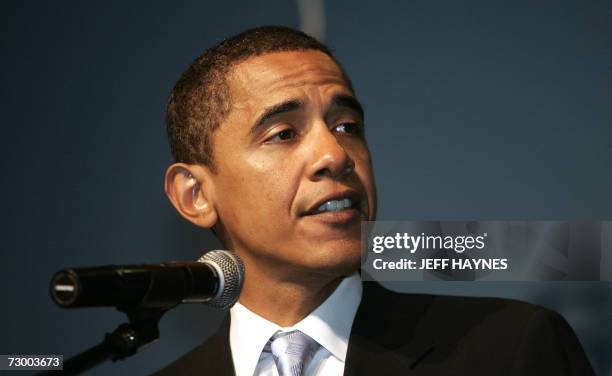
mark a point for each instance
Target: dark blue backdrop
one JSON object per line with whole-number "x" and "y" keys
{"x": 486, "y": 110}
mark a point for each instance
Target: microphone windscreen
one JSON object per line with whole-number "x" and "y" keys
{"x": 231, "y": 277}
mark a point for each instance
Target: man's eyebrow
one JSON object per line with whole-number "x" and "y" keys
{"x": 275, "y": 110}
{"x": 348, "y": 101}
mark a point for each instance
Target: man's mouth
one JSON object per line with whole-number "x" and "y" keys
{"x": 336, "y": 202}
{"x": 335, "y": 205}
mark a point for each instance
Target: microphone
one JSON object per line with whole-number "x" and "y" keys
{"x": 215, "y": 279}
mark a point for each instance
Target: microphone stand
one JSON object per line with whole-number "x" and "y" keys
{"x": 125, "y": 341}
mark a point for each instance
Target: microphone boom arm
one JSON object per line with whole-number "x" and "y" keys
{"x": 125, "y": 341}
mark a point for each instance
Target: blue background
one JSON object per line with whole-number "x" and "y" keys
{"x": 479, "y": 110}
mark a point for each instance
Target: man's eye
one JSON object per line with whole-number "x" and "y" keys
{"x": 350, "y": 128}
{"x": 283, "y": 135}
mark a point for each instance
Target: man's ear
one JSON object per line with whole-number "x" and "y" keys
{"x": 189, "y": 188}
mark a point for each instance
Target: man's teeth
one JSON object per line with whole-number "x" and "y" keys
{"x": 335, "y": 205}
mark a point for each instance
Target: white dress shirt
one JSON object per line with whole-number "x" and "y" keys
{"x": 329, "y": 324}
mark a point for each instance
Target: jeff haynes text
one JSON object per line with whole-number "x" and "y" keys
{"x": 442, "y": 263}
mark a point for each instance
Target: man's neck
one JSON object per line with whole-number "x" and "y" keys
{"x": 285, "y": 301}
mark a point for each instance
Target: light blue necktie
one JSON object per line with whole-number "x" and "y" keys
{"x": 292, "y": 351}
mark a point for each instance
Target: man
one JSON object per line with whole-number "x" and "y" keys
{"x": 268, "y": 138}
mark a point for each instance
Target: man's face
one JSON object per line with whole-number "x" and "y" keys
{"x": 294, "y": 176}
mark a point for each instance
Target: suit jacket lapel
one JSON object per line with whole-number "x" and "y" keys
{"x": 220, "y": 362}
{"x": 213, "y": 357}
{"x": 381, "y": 340}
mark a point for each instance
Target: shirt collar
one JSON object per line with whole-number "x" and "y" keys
{"x": 249, "y": 333}
{"x": 329, "y": 324}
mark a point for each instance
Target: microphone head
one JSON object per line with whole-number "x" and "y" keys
{"x": 230, "y": 269}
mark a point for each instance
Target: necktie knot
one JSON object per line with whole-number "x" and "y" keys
{"x": 292, "y": 351}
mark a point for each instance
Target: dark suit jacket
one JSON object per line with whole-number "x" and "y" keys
{"x": 407, "y": 334}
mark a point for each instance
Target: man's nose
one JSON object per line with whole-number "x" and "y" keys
{"x": 328, "y": 156}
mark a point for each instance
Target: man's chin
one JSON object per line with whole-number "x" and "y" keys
{"x": 337, "y": 264}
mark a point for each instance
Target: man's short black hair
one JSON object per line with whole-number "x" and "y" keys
{"x": 201, "y": 98}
